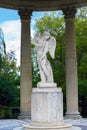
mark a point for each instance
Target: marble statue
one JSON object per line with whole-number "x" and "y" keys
{"x": 44, "y": 44}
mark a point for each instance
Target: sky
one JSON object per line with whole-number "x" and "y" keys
{"x": 11, "y": 26}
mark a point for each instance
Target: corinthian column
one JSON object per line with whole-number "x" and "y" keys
{"x": 26, "y": 69}
{"x": 71, "y": 64}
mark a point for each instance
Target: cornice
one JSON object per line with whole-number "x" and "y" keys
{"x": 41, "y": 5}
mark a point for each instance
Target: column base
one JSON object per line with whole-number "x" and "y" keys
{"x": 24, "y": 116}
{"x": 73, "y": 115}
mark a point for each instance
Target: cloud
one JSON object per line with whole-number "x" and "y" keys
{"x": 11, "y": 30}
{"x": 32, "y": 33}
{"x": 12, "y": 36}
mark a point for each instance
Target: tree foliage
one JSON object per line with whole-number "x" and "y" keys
{"x": 81, "y": 40}
{"x": 7, "y": 93}
{"x": 9, "y": 80}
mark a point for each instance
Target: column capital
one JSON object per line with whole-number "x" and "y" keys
{"x": 25, "y": 14}
{"x": 69, "y": 12}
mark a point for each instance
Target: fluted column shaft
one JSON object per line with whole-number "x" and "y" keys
{"x": 26, "y": 69}
{"x": 71, "y": 64}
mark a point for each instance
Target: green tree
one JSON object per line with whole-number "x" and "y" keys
{"x": 81, "y": 40}
{"x": 9, "y": 76}
{"x": 35, "y": 70}
{"x": 7, "y": 94}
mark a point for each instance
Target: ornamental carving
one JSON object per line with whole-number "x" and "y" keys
{"x": 69, "y": 12}
{"x": 25, "y": 14}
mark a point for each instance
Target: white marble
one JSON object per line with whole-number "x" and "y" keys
{"x": 48, "y": 89}
{"x": 56, "y": 128}
{"x": 46, "y": 85}
{"x": 59, "y": 127}
{"x": 47, "y": 107}
{"x": 44, "y": 44}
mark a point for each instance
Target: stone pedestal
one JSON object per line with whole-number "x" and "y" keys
{"x": 47, "y": 109}
{"x": 47, "y": 106}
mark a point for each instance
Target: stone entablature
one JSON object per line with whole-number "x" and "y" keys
{"x": 38, "y": 5}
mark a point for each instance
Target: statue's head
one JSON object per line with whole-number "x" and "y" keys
{"x": 37, "y": 35}
{"x": 46, "y": 35}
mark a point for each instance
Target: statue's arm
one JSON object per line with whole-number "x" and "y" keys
{"x": 36, "y": 42}
{"x": 33, "y": 42}
{"x": 45, "y": 49}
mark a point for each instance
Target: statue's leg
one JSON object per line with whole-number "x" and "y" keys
{"x": 49, "y": 68}
{"x": 46, "y": 69}
{"x": 42, "y": 75}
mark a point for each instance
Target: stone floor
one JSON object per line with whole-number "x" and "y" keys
{"x": 82, "y": 123}
{"x": 11, "y": 124}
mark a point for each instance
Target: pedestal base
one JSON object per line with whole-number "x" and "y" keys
{"x": 60, "y": 127}
{"x": 46, "y": 128}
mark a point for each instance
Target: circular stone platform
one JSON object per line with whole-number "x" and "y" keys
{"x": 9, "y": 124}
{"x": 18, "y": 128}
{"x": 73, "y": 128}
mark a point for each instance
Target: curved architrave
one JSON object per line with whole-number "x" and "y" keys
{"x": 38, "y": 5}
